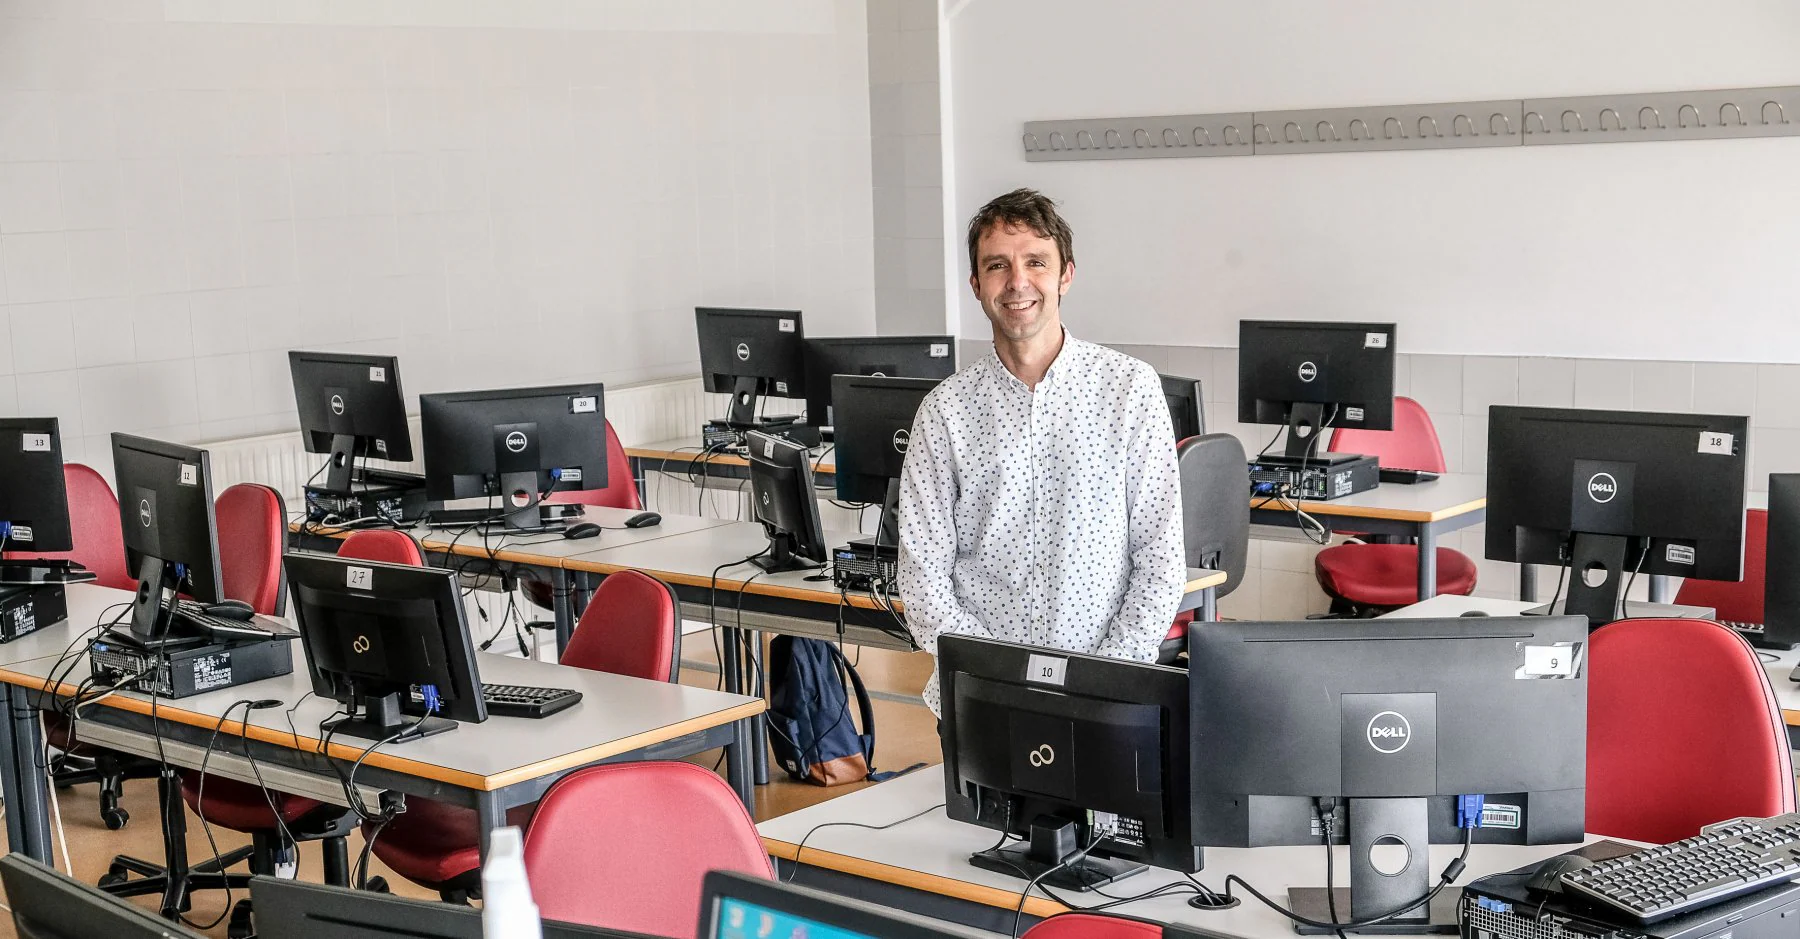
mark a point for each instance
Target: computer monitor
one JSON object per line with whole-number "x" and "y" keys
{"x": 292, "y": 909}
{"x": 872, "y": 442}
{"x": 350, "y": 407}
{"x": 1781, "y": 558}
{"x": 783, "y": 500}
{"x": 34, "y": 502}
{"x": 1187, "y": 405}
{"x": 750, "y": 353}
{"x": 1399, "y": 717}
{"x": 1315, "y": 376}
{"x": 384, "y": 639}
{"x": 171, "y": 539}
{"x": 518, "y": 444}
{"x": 880, "y": 356}
{"x": 48, "y": 905}
{"x": 1061, "y": 749}
{"x": 737, "y": 906}
{"x": 1605, "y": 494}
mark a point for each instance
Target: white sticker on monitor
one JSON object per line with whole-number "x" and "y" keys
{"x": 1046, "y": 669}
{"x": 21, "y": 533}
{"x": 1554, "y": 660}
{"x": 35, "y": 443}
{"x": 359, "y": 578}
{"x": 769, "y": 448}
{"x": 190, "y": 474}
{"x": 786, "y": 326}
{"x": 1353, "y": 414}
{"x": 1501, "y": 815}
{"x": 377, "y": 373}
{"x": 781, "y": 387}
{"x": 571, "y": 475}
{"x": 1711, "y": 441}
{"x": 1375, "y": 340}
{"x": 1679, "y": 554}
{"x": 585, "y": 404}
{"x": 940, "y": 350}
{"x": 380, "y": 445}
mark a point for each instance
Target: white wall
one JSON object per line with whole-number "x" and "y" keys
{"x": 1673, "y": 251}
{"x": 500, "y": 192}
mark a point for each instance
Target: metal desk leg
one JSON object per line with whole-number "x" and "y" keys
{"x": 737, "y": 762}
{"x": 1427, "y": 562}
{"x": 1528, "y": 583}
{"x": 759, "y": 733}
{"x": 560, "y": 591}
{"x": 1662, "y": 588}
{"x": 728, "y": 661}
{"x": 1209, "y": 605}
{"x": 9, "y": 776}
{"x": 26, "y": 756}
{"x": 638, "y": 478}
{"x": 489, "y": 816}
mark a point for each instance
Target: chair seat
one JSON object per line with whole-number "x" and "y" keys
{"x": 1387, "y": 575}
{"x": 241, "y": 806}
{"x": 434, "y": 843}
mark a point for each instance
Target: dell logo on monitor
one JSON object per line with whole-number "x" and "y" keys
{"x": 1308, "y": 371}
{"x": 743, "y": 352}
{"x": 1042, "y": 756}
{"x": 902, "y": 437}
{"x": 515, "y": 441}
{"x": 1602, "y": 487}
{"x": 1389, "y": 732}
{"x": 145, "y": 516}
{"x": 337, "y": 404}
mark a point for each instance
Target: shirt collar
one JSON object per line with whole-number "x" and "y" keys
{"x": 1067, "y": 354}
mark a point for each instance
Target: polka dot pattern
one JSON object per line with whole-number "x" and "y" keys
{"x": 1050, "y": 517}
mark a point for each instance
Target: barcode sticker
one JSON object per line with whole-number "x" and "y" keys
{"x": 1353, "y": 414}
{"x": 940, "y": 350}
{"x": 781, "y": 387}
{"x": 571, "y": 475}
{"x": 22, "y": 533}
{"x": 1375, "y": 340}
{"x": 585, "y": 404}
{"x": 1046, "y": 669}
{"x": 1679, "y": 554}
{"x": 1711, "y": 441}
{"x": 35, "y": 443}
{"x": 377, "y": 373}
{"x": 380, "y": 445}
{"x": 359, "y": 578}
{"x": 769, "y": 449}
{"x": 786, "y": 326}
{"x": 190, "y": 475}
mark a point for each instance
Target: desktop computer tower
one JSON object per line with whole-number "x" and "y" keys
{"x": 397, "y": 497}
{"x": 190, "y": 670}
{"x": 27, "y": 609}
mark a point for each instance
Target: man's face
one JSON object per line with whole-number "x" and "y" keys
{"x": 1020, "y": 278}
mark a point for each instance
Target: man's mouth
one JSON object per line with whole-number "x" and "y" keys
{"x": 1017, "y": 306}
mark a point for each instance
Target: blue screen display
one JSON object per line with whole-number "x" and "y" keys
{"x": 739, "y": 920}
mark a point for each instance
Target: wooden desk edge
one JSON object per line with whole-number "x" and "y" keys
{"x": 700, "y": 459}
{"x": 167, "y": 710}
{"x": 905, "y": 877}
{"x": 1211, "y": 579}
{"x": 1791, "y": 717}
{"x": 1398, "y": 515}
{"x": 726, "y": 586}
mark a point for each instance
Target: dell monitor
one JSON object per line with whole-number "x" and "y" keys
{"x": 872, "y": 442}
{"x": 783, "y": 500}
{"x": 518, "y": 444}
{"x": 293, "y": 909}
{"x": 1187, "y": 406}
{"x": 751, "y": 353}
{"x": 1315, "y": 376}
{"x": 879, "y": 356}
{"x": 351, "y": 408}
{"x": 1388, "y": 722}
{"x": 171, "y": 539}
{"x": 738, "y": 906}
{"x": 1609, "y": 494}
{"x": 49, "y": 905}
{"x": 384, "y": 639}
{"x": 1071, "y": 753}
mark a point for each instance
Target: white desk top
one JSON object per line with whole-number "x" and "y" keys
{"x": 690, "y": 448}
{"x": 1448, "y": 496}
{"x": 616, "y": 714}
{"x": 538, "y": 547}
{"x": 931, "y": 853}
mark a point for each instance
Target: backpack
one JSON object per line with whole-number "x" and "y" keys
{"x": 810, "y": 726}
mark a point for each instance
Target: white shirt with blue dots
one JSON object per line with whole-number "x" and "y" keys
{"x": 1048, "y": 517}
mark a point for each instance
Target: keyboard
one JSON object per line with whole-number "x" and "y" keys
{"x": 1406, "y": 477}
{"x": 1723, "y": 861}
{"x": 526, "y": 701}
{"x": 220, "y": 627}
{"x": 1747, "y": 630}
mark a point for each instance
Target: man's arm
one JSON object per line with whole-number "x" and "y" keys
{"x": 928, "y": 490}
{"x": 1153, "y": 520}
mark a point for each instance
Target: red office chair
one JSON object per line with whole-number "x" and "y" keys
{"x": 252, "y": 522}
{"x": 1366, "y": 579}
{"x": 1737, "y": 601}
{"x": 1683, "y": 731}
{"x": 391, "y": 547}
{"x": 664, "y": 826}
{"x": 1094, "y": 926}
{"x": 620, "y": 493}
{"x": 632, "y": 627}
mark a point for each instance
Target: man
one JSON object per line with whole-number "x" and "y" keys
{"x": 1040, "y": 502}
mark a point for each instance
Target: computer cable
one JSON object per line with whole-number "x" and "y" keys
{"x": 1451, "y": 872}
{"x": 1327, "y": 832}
{"x": 712, "y": 613}
{"x": 1625, "y": 597}
{"x": 200, "y": 797}
{"x": 801, "y": 847}
{"x": 1075, "y": 858}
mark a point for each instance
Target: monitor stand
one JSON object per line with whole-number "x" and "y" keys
{"x": 781, "y": 556}
{"x": 1372, "y": 893}
{"x": 1052, "y": 841}
{"x": 341, "y": 465}
{"x": 1306, "y": 424}
{"x": 1596, "y": 572}
{"x": 381, "y": 718}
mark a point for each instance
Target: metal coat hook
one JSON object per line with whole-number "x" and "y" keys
{"x": 1261, "y": 127}
{"x": 1681, "y": 116}
{"x": 1397, "y": 126}
{"x": 1203, "y": 132}
{"x": 1735, "y": 109}
{"x": 1179, "y": 140}
{"x": 1114, "y": 140}
{"x": 1504, "y": 121}
{"x": 1456, "y": 128}
{"x": 1653, "y": 113}
{"x": 1356, "y": 122}
{"x": 1140, "y": 137}
{"x": 1543, "y": 126}
{"x": 1031, "y": 142}
{"x": 1328, "y": 127}
{"x": 1579, "y": 120}
{"x": 1083, "y": 139}
{"x": 1780, "y": 111}
{"x": 1231, "y": 129}
{"x": 1434, "y": 126}
{"x": 1616, "y": 116}
{"x": 1289, "y": 137}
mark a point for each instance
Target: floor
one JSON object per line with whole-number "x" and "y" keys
{"x": 905, "y": 734}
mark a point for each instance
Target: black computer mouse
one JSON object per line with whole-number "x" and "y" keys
{"x": 582, "y": 530}
{"x": 1473, "y": 613}
{"x": 1548, "y": 876}
{"x": 643, "y": 520}
{"x": 230, "y": 609}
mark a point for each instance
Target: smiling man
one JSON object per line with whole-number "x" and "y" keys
{"x": 1040, "y": 502}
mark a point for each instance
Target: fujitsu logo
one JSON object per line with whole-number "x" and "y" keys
{"x": 1602, "y": 487}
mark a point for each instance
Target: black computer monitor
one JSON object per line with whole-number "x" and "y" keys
{"x": 881, "y": 356}
{"x": 1060, "y": 748}
{"x": 518, "y": 444}
{"x": 737, "y": 906}
{"x": 350, "y": 407}
{"x": 171, "y": 538}
{"x": 1187, "y": 405}
{"x": 1314, "y": 376}
{"x": 1605, "y": 494}
{"x": 34, "y": 501}
{"x": 783, "y": 500}
{"x": 872, "y": 441}
{"x": 48, "y": 905}
{"x": 1399, "y": 717}
{"x": 385, "y": 639}
{"x": 750, "y": 353}
{"x": 292, "y": 909}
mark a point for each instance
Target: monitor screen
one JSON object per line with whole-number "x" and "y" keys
{"x": 740, "y": 919}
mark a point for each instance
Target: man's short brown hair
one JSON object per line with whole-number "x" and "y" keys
{"x": 1023, "y": 208}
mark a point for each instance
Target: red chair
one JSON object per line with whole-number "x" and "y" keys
{"x": 391, "y": 547}
{"x": 1365, "y": 579}
{"x": 1736, "y": 601}
{"x": 95, "y": 529}
{"x": 252, "y": 523}
{"x": 632, "y": 627}
{"x": 663, "y": 825}
{"x": 620, "y": 493}
{"x": 1683, "y": 731}
{"x": 1094, "y": 926}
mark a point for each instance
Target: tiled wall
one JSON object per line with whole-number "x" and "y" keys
{"x": 907, "y": 158}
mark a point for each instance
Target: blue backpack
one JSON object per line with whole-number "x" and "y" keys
{"x": 811, "y": 730}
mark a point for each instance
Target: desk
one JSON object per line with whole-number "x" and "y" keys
{"x": 1419, "y": 512}
{"x": 490, "y": 767}
{"x": 687, "y": 456}
{"x": 922, "y": 865}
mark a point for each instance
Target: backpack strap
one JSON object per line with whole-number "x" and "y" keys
{"x": 867, "y": 711}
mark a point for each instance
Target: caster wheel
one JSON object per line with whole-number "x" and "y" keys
{"x": 241, "y": 926}
{"x": 115, "y": 819}
{"x": 377, "y": 885}
{"x": 111, "y": 879}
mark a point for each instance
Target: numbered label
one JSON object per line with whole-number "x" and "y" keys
{"x": 35, "y": 443}
{"x": 359, "y": 578}
{"x": 190, "y": 474}
{"x": 585, "y": 404}
{"x": 1550, "y": 661}
{"x": 1375, "y": 340}
{"x": 1046, "y": 670}
{"x": 786, "y": 326}
{"x": 940, "y": 350}
{"x": 377, "y": 373}
{"x": 1715, "y": 442}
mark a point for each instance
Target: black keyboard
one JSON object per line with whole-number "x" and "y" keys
{"x": 526, "y": 701}
{"x": 1406, "y": 477}
{"x": 221, "y": 627}
{"x": 1744, "y": 629}
{"x": 1723, "y": 861}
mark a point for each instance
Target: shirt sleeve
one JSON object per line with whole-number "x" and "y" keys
{"x": 1153, "y": 524}
{"x": 928, "y": 491}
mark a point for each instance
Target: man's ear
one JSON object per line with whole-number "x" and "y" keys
{"x": 975, "y": 286}
{"x": 1068, "y": 277}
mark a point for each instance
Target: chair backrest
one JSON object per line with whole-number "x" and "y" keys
{"x": 1412, "y": 444}
{"x": 252, "y": 524}
{"x": 1215, "y": 505}
{"x": 1093, "y": 926}
{"x": 632, "y": 626}
{"x": 1683, "y": 731}
{"x": 1739, "y": 601}
{"x": 626, "y": 845}
{"x": 386, "y": 545}
{"x": 94, "y": 528}
{"x": 621, "y": 489}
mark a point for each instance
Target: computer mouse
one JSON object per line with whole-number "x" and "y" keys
{"x": 230, "y": 609}
{"x": 582, "y": 530}
{"x": 643, "y": 520}
{"x": 1548, "y": 876}
{"x": 1473, "y": 613}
